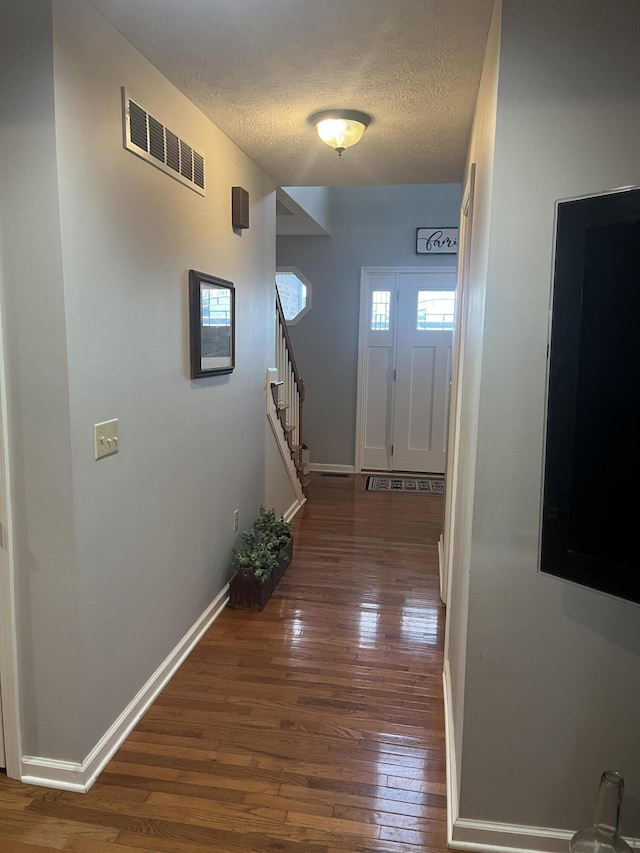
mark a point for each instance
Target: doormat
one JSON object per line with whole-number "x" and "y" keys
{"x": 415, "y": 485}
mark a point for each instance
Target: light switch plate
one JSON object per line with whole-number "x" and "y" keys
{"x": 105, "y": 436}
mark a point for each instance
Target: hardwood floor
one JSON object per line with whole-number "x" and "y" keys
{"x": 315, "y": 726}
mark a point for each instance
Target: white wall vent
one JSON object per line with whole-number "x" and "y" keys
{"x": 148, "y": 138}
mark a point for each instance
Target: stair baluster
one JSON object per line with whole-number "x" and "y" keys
{"x": 288, "y": 394}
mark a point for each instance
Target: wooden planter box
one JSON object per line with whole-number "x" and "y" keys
{"x": 247, "y": 593}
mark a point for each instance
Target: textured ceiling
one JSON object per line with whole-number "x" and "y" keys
{"x": 260, "y": 68}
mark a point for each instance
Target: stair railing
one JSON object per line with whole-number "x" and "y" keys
{"x": 288, "y": 393}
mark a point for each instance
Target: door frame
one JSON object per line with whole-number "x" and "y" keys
{"x": 8, "y": 630}
{"x": 459, "y": 343}
{"x": 363, "y": 324}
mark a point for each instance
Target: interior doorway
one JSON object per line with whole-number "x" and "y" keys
{"x": 404, "y": 368}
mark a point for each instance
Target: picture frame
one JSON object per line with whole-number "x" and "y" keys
{"x": 437, "y": 241}
{"x": 211, "y": 324}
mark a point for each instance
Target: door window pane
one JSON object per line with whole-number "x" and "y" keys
{"x": 435, "y": 309}
{"x": 380, "y": 310}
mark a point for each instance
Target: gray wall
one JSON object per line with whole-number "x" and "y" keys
{"x": 116, "y": 559}
{"x": 552, "y": 686}
{"x": 37, "y": 387}
{"x": 316, "y": 203}
{"x": 370, "y": 226}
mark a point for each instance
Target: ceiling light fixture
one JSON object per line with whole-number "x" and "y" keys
{"x": 340, "y": 128}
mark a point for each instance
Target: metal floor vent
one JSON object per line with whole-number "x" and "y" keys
{"x": 149, "y": 139}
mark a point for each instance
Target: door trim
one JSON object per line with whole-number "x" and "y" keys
{"x": 8, "y": 632}
{"x": 459, "y": 343}
{"x": 365, "y": 272}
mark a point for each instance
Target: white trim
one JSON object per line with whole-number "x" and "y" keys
{"x": 428, "y": 268}
{"x": 441, "y": 570}
{"x": 309, "y": 286}
{"x": 457, "y": 382}
{"x": 361, "y": 402}
{"x": 293, "y": 510}
{"x": 483, "y": 835}
{"x": 331, "y": 468}
{"x": 453, "y": 793}
{"x": 381, "y": 472}
{"x": 10, "y": 697}
{"x": 70, "y": 776}
{"x": 63, "y": 775}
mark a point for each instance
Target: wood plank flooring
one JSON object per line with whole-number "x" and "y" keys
{"x": 315, "y": 726}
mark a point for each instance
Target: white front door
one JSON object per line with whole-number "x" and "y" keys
{"x": 406, "y": 318}
{"x": 423, "y": 372}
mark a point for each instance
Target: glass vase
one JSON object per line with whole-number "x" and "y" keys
{"x": 604, "y": 836}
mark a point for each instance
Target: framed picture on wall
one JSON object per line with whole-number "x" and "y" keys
{"x": 437, "y": 241}
{"x": 212, "y": 324}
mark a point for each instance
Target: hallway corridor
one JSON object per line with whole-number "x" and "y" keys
{"x": 315, "y": 726}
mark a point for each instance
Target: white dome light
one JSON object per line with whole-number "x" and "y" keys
{"x": 340, "y": 128}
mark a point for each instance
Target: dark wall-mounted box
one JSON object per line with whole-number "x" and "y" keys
{"x": 239, "y": 207}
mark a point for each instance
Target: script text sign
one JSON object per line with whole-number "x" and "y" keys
{"x": 437, "y": 241}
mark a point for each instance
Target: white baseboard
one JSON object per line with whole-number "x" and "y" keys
{"x": 453, "y": 794}
{"x": 65, "y": 775}
{"x": 443, "y": 592}
{"x": 507, "y": 838}
{"x": 331, "y": 469}
{"x": 483, "y": 835}
{"x": 79, "y": 777}
{"x": 293, "y": 509}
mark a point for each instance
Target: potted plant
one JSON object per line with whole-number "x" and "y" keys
{"x": 260, "y": 560}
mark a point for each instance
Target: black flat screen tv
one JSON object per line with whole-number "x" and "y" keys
{"x": 591, "y": 506}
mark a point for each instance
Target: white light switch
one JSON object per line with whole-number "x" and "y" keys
{"x": 105, "y": 436}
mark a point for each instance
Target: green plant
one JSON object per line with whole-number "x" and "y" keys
{"x": 259, "y": 549}
{"x": 276, "y": 530}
